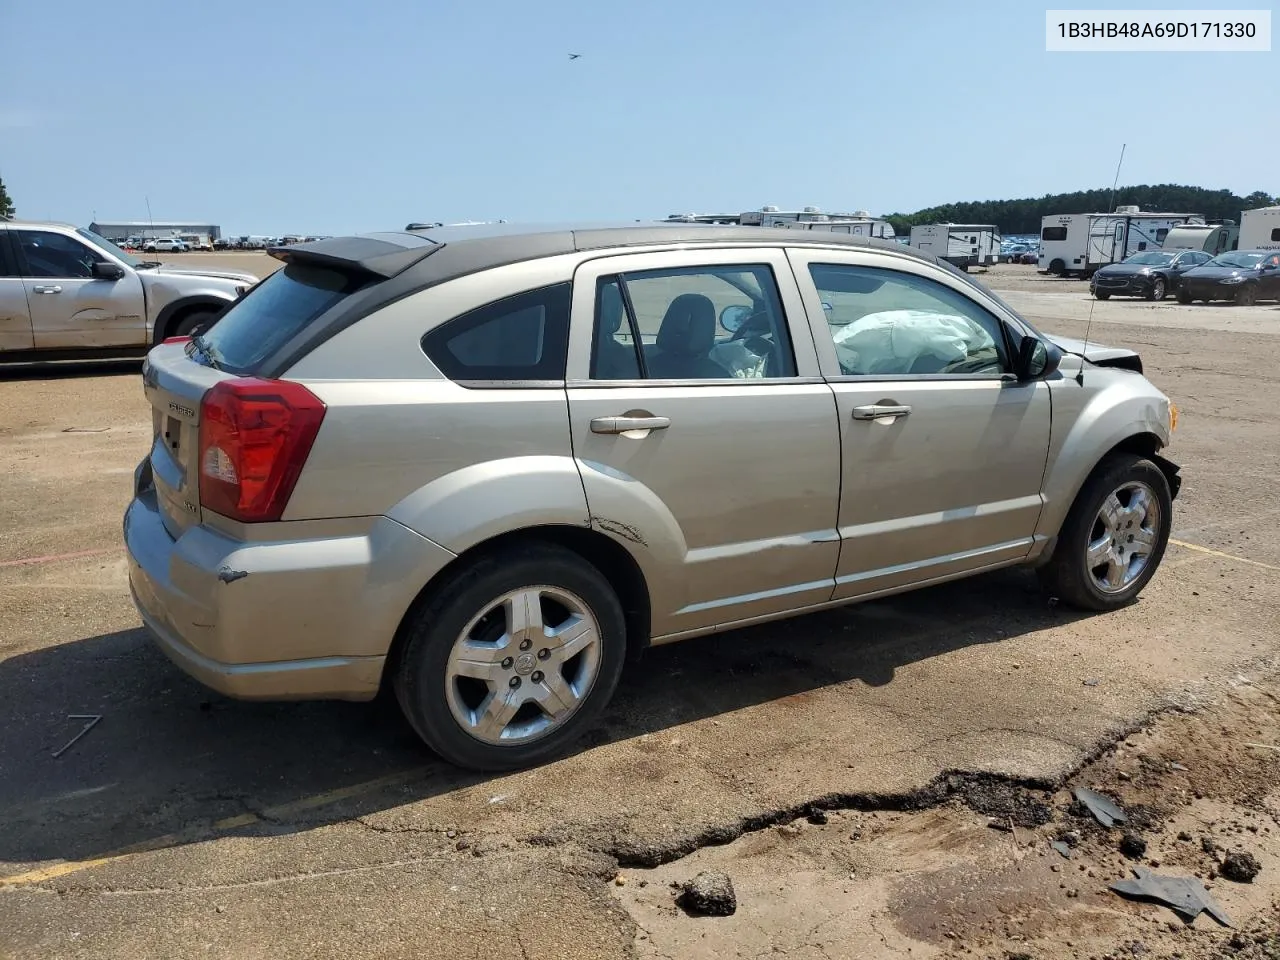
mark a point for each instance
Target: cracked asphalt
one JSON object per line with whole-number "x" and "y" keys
{"x": 185, "y": 823}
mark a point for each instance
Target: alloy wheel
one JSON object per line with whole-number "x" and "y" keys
{"x": 523, "y": 666}
{"x": 1124, "y": 535}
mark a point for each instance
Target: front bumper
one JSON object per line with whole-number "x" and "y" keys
{"x": 305, "y": 619}
{"x": 1210, "y": 291}
{"x": 1121, "y": 287}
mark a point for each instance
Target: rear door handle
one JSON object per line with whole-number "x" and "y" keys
{"x": 47, "y": 289}
{"x": 624, "y": 424}
{"x": 875, "y": 411}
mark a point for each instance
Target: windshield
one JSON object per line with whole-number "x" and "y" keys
{"x": 108, "y": 246}
{"x": 1236, "y": 259}
{"x": 1152, "y": 258}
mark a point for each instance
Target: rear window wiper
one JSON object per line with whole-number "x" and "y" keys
{"x": 207, "y": 349}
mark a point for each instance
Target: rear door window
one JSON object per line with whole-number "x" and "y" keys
{"x": 520, "y": 339}
{"x": 273, "y": 312}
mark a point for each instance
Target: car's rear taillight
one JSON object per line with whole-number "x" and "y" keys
{"x": 255, "y": 436}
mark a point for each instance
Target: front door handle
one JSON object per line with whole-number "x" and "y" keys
{"x": 874, "y": 411}
{"x": 47, "y": 289}
{"x": 626, "y": 424}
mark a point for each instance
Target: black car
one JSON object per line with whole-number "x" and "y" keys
{"x": 1243, "y": 276}
{"x": 1150, "y": 274}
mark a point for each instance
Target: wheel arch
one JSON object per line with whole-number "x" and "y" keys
{"x": 601, "y": 551}
{"x": 1145, "y": 444}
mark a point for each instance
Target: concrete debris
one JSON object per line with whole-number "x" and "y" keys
{"x": 1062, "y": 847}
{"x": 1185, "y": 896}
{"x": 1133, "y": 846}
{"x": 1240, "y": 867}
{"x": 1104, "y": 810}
{"x": 709, "y": 894}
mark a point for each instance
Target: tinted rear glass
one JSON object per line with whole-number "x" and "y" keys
{"x": 273, "y": 312}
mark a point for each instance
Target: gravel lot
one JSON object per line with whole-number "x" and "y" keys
{"x": 186, "y": 824}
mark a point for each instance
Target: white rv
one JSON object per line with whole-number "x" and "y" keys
{"x": 859, "y": 223}
{"x": 1080, "y": 243}
{"x": 1212, "y": 238}
{"x": 1260, "y": 229}
{"x": 963, "y": 244}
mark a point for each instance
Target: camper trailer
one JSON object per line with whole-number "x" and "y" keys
{"x": 963, "y": 244}
{"x": 859, "y": 223}
{"x": 1260, "y": 229}
{"x": 1080, "y": 243}
{"x": 1212, "y": 238}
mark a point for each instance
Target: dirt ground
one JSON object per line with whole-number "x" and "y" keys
{"x": 843, "y": 769}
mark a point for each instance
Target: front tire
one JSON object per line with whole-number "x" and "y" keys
{"x": 1101, "y": 295}
{"x": 198, "y": 321}
{"x": 1114, "y": 537}
{"x": 512, "y": 658}
{"x": 1058, "y": 267}
{"x": 1246, "y": 296}
{"x": 1184, "y": 297}
{"x": 1157, "y": 289}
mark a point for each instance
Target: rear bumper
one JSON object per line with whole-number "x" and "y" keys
{"x": 306, "y": 619}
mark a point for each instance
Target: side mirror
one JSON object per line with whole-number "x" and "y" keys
{"x": 734, "y": 316}
{"x": 105, "y": 270}
{"x": 1036, "y": 359}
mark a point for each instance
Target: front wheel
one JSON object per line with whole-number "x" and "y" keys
{"x": 1184, "y": 297}
{"x": 1114, "y": 536}
{"x": 1102, "y": 295}
{"x": 512, "y": 659}
{"x": 195, "y": 322}
{"x": 1157, "y": 290}
{"x": 1247, "y": 295}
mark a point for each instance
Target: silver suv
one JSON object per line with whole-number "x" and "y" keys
{"x": 65, "y": 291}
{"x": 484, "y": 467}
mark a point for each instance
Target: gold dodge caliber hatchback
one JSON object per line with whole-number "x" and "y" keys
{"x": 483, "y": 465}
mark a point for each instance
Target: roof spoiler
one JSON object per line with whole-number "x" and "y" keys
{"x": 383, "y": 256}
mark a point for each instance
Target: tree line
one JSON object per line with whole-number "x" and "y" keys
{"x": 1023, "y": 216}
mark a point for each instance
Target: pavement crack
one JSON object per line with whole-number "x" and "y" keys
{"x": 947, "y": 785}
{"x": 267, "y": 881}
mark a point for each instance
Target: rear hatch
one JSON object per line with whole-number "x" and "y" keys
{"x": 244, "y": 347}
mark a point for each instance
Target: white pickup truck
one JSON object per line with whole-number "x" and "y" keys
{"x": 67, "y": 292}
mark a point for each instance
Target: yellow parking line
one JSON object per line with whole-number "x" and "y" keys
{"x": 1224, "y": 556}
{"x": 279, "y": 811}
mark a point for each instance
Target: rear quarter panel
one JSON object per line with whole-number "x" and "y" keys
{"x": 456, "y": 464}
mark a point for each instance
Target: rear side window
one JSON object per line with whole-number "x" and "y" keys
{"x": 272, "y": 313}
{"x": 1053, "y": 233}
{"x": 519, "y": 338}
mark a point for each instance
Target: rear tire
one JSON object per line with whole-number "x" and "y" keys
{"x": 1058, "y": 267}
{"x": 488, "y": 676}
{"x": 1114, "y": 537}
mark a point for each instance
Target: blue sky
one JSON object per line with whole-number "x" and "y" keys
{"x": 327, "y": 116}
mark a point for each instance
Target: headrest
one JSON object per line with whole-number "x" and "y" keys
{"x": 689, "y": 326}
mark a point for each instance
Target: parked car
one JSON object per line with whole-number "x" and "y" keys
{"x": 1150, "y": 274}
{"x": 68, "y": 291}
{"x": 483, "y": 467}
{"x": 165, "y": 244}
{"x": 1027, "y": 256}
{"x": 1244, "y": 276}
